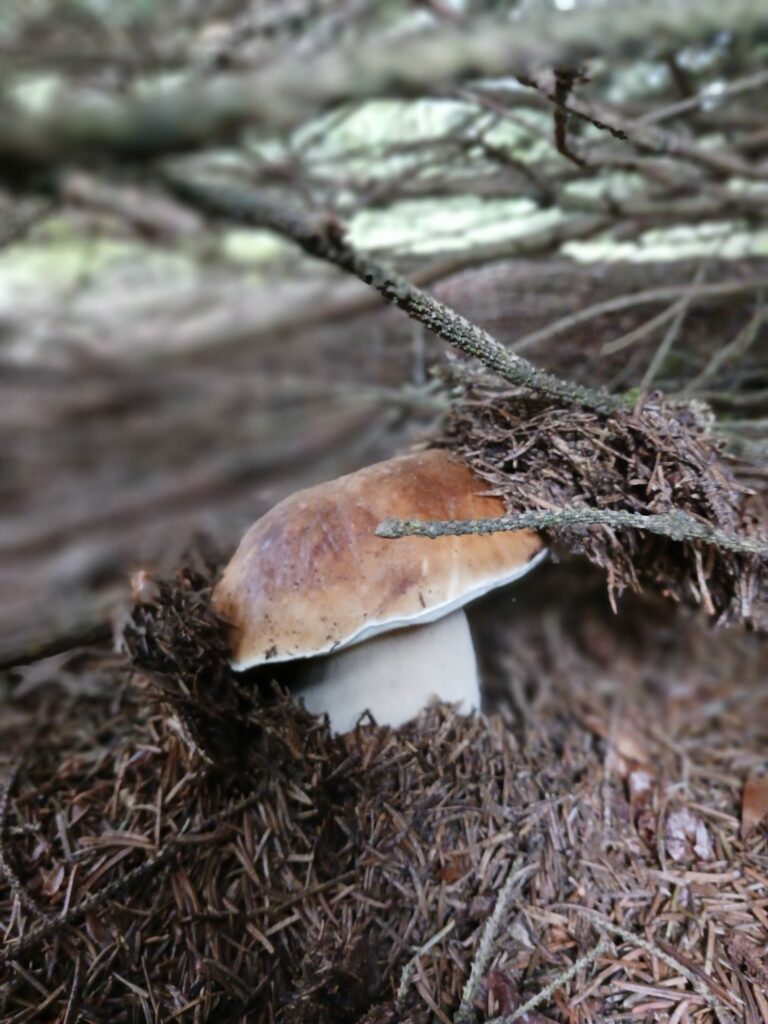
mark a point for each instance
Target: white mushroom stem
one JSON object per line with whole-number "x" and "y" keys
{"x": 395, "y": 675}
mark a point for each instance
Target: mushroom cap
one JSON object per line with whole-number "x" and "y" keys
{"x": 311, "y": 576}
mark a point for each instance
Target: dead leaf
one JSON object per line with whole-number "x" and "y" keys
{"x": 457, "y": 865}
{"x": 754, "y": 804}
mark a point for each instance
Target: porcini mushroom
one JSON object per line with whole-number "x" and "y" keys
{"x": 382, "y": 620}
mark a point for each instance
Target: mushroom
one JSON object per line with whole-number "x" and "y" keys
{"x": 378, "y": 625}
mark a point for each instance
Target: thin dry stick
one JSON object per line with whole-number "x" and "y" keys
{"x": 562, "y": 979}
{"x": 325, "y": 239}
{"x": 646, "y": 137}
{"x": 740, "y": 85}
{"x": 651, "y": 296}
{"x": 509, "y": 891}
{"x": 733, "y": 350}
{"x": 638, "y": 333}
{"x": 73, "y": 1003}
{"x": 675, "y": 524}
{"x": 672, "y": 332}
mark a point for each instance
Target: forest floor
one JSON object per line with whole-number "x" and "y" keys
{"x": 169, "y": 848}
{"x": 174, "y": 845}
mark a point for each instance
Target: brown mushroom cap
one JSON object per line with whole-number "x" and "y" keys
{"x": 311, "y": 576}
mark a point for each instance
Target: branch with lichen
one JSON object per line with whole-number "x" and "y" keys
{"x": 675, "y": 524}
{"x": 324, "y": 238}
{"x": 545, "y": 994}
{"x": 510, "y": 890}
{"x": 713, "y": 993}
{"x": 158, "y": 119}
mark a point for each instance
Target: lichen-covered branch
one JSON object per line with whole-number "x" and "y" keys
{"x": 160, "y": 119}
{"x": 674, "y": 524}
{"x": 516, "y": 878}
{"x": 325, "y": 239}
{"x": 545, "y": 994}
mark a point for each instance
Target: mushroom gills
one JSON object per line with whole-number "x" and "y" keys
{"x": 394, "y": 675}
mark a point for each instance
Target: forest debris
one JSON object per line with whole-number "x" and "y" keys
{"x": 250, "y": 865}
{"x": 751, "y": 955}
{"x": 661, "y": 457}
